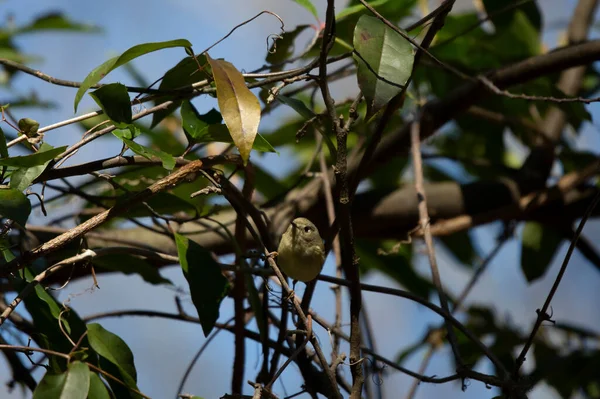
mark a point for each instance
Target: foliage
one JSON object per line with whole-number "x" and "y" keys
{"x": 464, "y": 101}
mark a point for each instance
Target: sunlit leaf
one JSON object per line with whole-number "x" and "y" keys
{"x": 239, "y": 106}
{"x": 168, "y": 161}
{"x": 136, "y": 51}
{"x": 112, "y": 348}
{"x": 538, "y": 247}
{"x": 22, "y": 177}
{"x": 39, "y": 158}
{"x": 72, "y": 384}
{"x": 384, "y": 56}
{"x": 14, "y": 205}
{"x": 114, "y": 101}
{"x": 97, "y": 388}
{"x": 207, "y": 284}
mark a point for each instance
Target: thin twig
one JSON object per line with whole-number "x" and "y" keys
{"x": 542, "y": 314}
{"x": 425, "y": 227}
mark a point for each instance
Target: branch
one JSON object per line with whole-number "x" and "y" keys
{"x": 170, "y": 181}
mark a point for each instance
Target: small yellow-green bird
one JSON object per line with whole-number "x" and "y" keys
{"x": 301, "y": 252}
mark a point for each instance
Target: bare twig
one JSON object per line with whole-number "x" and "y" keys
{"x": 425, "y": 227}
{"x": 542, "y": 314}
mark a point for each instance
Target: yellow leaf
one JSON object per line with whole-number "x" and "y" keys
{"x": 239, "y": 106}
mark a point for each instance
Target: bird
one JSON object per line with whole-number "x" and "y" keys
{"x": 301, "y": 253}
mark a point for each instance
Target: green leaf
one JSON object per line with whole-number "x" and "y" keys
{"x": 501, "y": 12}
{"x": 309, "y": 6}
{"x": 461, "y": 246}
{"x": 195, "y": 124}
{"x": 307, "y": 113}
{"x": 97, "y": 388}
{"x": 389, "y": 56}
{"x": 22, "y": 178}
{"x": 136, "y": 51}
{"x": 183, "y": 74}
{"x": 112, "y": 348}
{"x": 283, "y": 49}
{"x": 168, "y": 161}
{"x": 72, "y": 384}
{"x": 14, "y": 205}
{"x": 39, "y": 158}
{"x": 114, "y": 100}
{"x": 297, "y": 106}
{"x": 207, "y": 284}
{"x": 128, "y": 264}
{"x": 267, "y": 184}
{"x": 56, "y": 21}
{"x": 238, "y": 105}
{"x": 538, "y": 247}
{"x": 206, "y": 128}
{"x": 45, "y": 312}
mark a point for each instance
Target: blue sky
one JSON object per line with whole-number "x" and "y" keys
{"x": 162, "y": 348}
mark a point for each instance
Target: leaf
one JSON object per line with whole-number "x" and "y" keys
{"x": 196, "y": 124}
{"x": 45, "y": 311}
{"x": 283, "y": 49}
{"x": 22, "y": 178}
{"x": 206, "y": 128}
{"x": 14, "y": 205}
{"x": 39, "y": 158}
{"x": 307, "y": 113}
{"x": 56, "y": 21}
{"x": 72, "y": 384}
{"x": 297, "y": 106}
{"x": 501, "y": 12}
{"x": 207, "y": 284}
{"x": 388, "y": 54}
{"x": 128, "y": 264}
{"x": 97, "y": 388}
{"x": 183, "y": 74}
{"x": 239, "y": 106}
{"x": 267, "y": 184}
{"x": 461, "y": 246}
{"x": 538, "y": 247}
{"x": 136, "y": 51}
{"x": 114, "y": 100}
{"x": 309, "y": 6}
{"x": 112, "y": 348}
{"x": 168, "y": 161}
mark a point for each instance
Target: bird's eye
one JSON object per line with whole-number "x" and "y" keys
{"x": 307, "y": 229}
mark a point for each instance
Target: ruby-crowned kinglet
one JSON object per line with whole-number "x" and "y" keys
{"x": 301, "y": 252}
